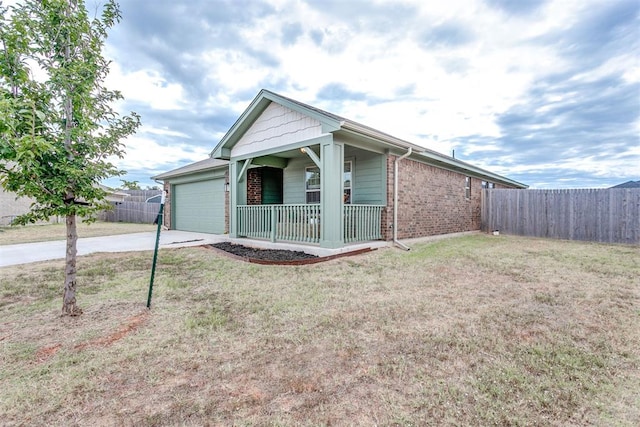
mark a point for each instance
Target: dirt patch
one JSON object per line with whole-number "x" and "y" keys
{"x": 131, "y": 324}
{"x": 45, "y": 353}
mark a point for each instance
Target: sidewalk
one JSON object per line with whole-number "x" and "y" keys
{"x": 43, "y": 251}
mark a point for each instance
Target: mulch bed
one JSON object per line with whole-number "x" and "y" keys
{"x": 275, "y": 256}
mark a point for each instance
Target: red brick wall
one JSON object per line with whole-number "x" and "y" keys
{"x": 254, "y": 186}
{"x": 432, "y": 201}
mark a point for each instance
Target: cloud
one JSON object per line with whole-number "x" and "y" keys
{"x": 517, "y": 7}
{"x": 542, "y": 91}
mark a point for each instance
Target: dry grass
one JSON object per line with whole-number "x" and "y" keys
{"x": 42, "y": 233}
{"x": 479, "y": 330}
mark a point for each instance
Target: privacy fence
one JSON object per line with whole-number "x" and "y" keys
{"x": 135, "y": 208}
{"x": 598, "y": 215}
{"x": 134, "y": 212}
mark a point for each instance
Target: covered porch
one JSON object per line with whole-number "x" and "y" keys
{"x": 318, "y": 192}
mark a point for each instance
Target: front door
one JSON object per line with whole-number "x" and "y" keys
{"x": 271, "y": 186}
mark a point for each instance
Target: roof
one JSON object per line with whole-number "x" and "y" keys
{"x": 202, "y": 165}
{"x": 333, "y": 123}
{"x": 330, "y": 123}
{"x": 628, "y": 184}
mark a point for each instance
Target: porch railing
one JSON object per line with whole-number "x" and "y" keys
{"x": 362, "y": 223}
{"x": 298, "y": 223}
{"x": 301, "y": 223}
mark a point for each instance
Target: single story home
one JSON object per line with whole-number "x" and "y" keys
{"x": 289, "y": 172}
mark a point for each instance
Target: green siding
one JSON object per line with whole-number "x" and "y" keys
{"x": 369, "y": 178}
{"x": 199, "y": 206}
{"x": 293, "y": 180}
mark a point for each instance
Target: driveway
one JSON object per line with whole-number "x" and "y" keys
{"x": 32, "y": 252}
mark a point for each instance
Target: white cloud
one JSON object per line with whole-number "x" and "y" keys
{"x": 147, "y": 87}
{"x": 143, "y": 153}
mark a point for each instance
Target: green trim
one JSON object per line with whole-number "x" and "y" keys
{"x": 313, "y": 156}
{"x": 272, "y": 161}
{"x": 283, "y": 148}
{"x": 245, "y": 166}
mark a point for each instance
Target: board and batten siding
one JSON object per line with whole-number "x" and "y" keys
{"x": 597, "y": 215}
{"x": 369, "y": 178}
{"x": 293, "y": 181}
{"x": 277, "y": 126}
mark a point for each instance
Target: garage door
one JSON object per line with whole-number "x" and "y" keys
{"x": 199, "y": 206}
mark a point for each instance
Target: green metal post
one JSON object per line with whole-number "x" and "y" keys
{"x": 155, "y": 252}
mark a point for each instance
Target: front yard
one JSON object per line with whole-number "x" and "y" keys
{"x": 476, "y": 330}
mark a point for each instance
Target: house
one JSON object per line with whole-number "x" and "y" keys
{"x": 290, "y": 172}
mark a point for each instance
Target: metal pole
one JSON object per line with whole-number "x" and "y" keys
{"x": 155, "y": 252}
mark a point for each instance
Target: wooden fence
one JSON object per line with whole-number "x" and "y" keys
{"x": 598, "y": 215}
{"x": 134, "y": 212}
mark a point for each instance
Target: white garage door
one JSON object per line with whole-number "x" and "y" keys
{"x": 199, "y": 206}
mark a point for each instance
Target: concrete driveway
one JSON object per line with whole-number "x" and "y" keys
{"x": 32, "y": 252}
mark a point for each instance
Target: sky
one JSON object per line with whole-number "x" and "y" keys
{"x": 544, "y": 92}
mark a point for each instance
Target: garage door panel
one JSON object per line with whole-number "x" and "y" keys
{"x": 199, "y": 206}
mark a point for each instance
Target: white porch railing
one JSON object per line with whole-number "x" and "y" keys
{"x": 301, "y": 223}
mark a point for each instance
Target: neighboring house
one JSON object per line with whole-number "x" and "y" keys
{"x": 12, "y": 206}
{"x": 628, "y": 184}
{"x": 287, "y": 171}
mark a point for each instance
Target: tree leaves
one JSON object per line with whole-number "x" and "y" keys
{"x": 46, "y": 152}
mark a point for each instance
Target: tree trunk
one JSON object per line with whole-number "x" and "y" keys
{"x": 69, "y": 306}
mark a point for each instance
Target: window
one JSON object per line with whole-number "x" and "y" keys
{"x": 467, "y": 187}
{"x": 346, "y": 183}
{"x": 486, "y": 184}
{"x": 312, "y": 184}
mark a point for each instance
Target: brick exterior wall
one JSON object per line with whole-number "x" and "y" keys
{"x": 254, "y": 186}
{"x": 432, "y": 201}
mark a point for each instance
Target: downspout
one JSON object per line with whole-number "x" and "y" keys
{"x": 395, "y": 200}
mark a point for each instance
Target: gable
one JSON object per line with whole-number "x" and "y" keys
{"x": 277, "y": 126}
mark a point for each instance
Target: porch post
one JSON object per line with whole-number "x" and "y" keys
{"x": 233, "y": 199}
{"x": 237, "y": 193}
{"x": 331, "y": 218}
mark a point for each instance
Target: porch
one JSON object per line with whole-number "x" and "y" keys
{"x": 302, "y": 222}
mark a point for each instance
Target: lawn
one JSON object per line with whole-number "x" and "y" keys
{"x": 42, "y": 233}
{"x": 475, "y": 330}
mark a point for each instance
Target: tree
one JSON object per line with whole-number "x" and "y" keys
{"x": 58, "y": 130}
{"x": 130, "y": 185}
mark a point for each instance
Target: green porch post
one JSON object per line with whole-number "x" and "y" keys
{"x": 233, "y": 199}
{"x": 238, "y": 191}
{"x": 331, "y": 222}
